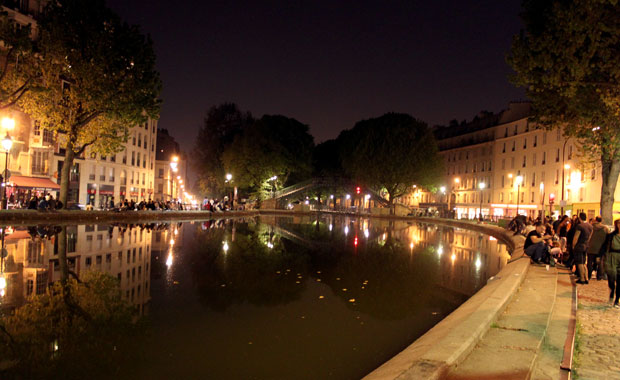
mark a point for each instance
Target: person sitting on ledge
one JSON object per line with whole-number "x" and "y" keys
{"x": 535, "y": 246}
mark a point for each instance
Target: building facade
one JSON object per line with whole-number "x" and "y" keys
{"x": 170, "y": 169}
{"x": 499, "y": 165}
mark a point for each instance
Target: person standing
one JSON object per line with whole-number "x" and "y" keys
{"x": 612, "y": 262}
{"x": 583, "y": 231}
{"x": 599, "y": 234}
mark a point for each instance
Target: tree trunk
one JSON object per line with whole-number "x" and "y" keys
{"x": 62, "y": 255}
{"x": 610, "y": 173}
{"x": 65, "y": 173}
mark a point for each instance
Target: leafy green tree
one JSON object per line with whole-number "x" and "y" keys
{"x": 274, "y": 145}
{"x": 97, "y": 79}
{"x": 568, "y": 60}
{"x": 16, "y": 75}
{"x": 391, "y": 152}
{"x": 221, "y": 125}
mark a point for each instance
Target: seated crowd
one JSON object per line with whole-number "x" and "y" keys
{"x": 588, "y": 248}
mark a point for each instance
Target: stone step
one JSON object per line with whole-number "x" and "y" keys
{"x": 510, "y": 347}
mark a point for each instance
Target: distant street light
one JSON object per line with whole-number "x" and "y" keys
{"x": 481, "y": 186}
{"x": 7, "y": 143}
{"x": 519, "y": 180}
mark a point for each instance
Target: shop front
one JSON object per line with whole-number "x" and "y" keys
{"x": 106, "y": 194}
{"x": 22, "y": 188}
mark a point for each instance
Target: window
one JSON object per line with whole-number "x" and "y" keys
{"x": 89, "y": 261}
{"x": 534, "y": 159}
{"x": 40, "y": 162}
{"x": 125, "y": 158}
{"x": 516, "y": 129}
{"x": 120, "y": 255}
{"x": 532, "y": 198}
{"x": 161, "y": 173}
{"x": 535, "y": 141}
{"x": 506, "y": 133}
{"x": 48, "y": 137}
{"x": 544, "y": 137}
{"x": 524, "y": 161}
{"x": 557, "y": 155}
{"x": 559, "y": 134}
{"x": 37, "y": 128}
{"x": 138, "y": 160}
{"x": 557, "y": 176}
{"x": 593, "y": 175}
{"x": 525, "y": 143}
{"x": 503, "y": 182}
{"x": 570, "y": 152}
{"x": 111, "y": 175}
{"x": 160, "y": 188}
{"x": 533, "y": 179}
{"x": 544, "y": 158}
{"x": 134, "y": 140}
{"x": 133, "y": 158}
{"x": 113, "y": 158}
{"x": 143, "y": 178}
{"x": 501, "y": 197}
{"x": 512, "y": 162}
{"x": 504, "y": 148}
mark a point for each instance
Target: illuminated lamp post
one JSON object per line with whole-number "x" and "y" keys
{"x": 564, "y": 169}
{"x": 174, "y": 166}
{"x": 518, "y": 179}
{"x": 481, "y": 186}
{"x": 7, "y": 143}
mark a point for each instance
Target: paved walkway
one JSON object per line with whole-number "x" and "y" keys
{"x": 599, "y": 334}
{"x": 528, "y": 338}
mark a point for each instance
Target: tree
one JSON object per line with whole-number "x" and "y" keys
{"x": 16, "y": 76}
{"x": 274, "y": 145}
{"x": 221, "y": 125}
{"x": 568, "y": 60}
{"x": 391, "y": 152}
{"x": 97, "y": 79}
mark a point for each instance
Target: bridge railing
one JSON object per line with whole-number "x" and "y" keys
{"x": 324, "y": 182}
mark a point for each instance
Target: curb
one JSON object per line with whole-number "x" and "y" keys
{"x": 450, "y": 341}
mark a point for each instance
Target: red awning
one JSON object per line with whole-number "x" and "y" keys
{"x": 33, "y": 182}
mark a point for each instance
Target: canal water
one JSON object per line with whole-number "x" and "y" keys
{"x": 322, "y": 297}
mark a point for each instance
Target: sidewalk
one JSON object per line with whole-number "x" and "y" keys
{"x": 527, "y": 341}
{"x": 598, "y": 355}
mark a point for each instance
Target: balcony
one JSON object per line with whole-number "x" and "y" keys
{"x": 111, "y": 179}
{"x": 102, "y": 178}
{"x": 91, "y": 177}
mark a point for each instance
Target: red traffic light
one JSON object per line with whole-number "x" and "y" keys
{"x": 551, "y": 198}
{"x": 358, "y": 190}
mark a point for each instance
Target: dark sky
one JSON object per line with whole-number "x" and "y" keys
{"x": 328, "y": 63}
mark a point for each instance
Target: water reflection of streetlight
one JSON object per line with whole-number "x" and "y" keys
{"x": 478, "y": 263}
{"x": 225, "y": 246}
{"x": 366, "y": 233}
{"x": 440, "y": 251}
{"x": 346, "y": 230}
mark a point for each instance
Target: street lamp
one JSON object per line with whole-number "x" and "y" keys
{"x": 542, "y": 200}
{"x": 518, "y": 179}
{"x": 564, "y": 169}
{"x": 7, "y": 143}
{"x": 229, "y": 178}
{"x": 174, "y": 165}
{"x": 481, "y": 186}
{"x": 273, "y": 179}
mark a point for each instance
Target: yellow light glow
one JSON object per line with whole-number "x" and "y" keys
{"x": 8, "y": 123}
{"x": 169, "y": 260}
{"x": 567, "y": 166}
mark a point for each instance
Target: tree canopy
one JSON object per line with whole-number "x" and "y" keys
{"x": 391, "y": 152}
{"x": 96, "y": 79}
{"x": 221, "y": 125}
{"x": 274, "y": 145}
{"x": 16, "y": 76}
{"x": 568, "y": 60}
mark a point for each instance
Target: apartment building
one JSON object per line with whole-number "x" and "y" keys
{"x": 501, "y": 164}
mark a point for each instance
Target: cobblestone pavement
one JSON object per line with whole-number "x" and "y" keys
{"x": 600, "y": 333}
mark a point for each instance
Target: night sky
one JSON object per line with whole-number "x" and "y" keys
{"x": 331, "y": 63}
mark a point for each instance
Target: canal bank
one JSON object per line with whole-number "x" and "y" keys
{"x": 451, "y": 344}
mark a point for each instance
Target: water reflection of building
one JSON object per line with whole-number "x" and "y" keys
{"x": 466, "y": 258}
{"x": 32, "y": 261}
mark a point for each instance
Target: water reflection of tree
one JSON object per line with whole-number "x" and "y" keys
{"x": 80, "y": 328}
{"x": 250, "y": 271}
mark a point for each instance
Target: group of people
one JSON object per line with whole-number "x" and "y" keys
{"x": 585, "y": 245}
{"x": 131, "y": 205}
{"x": 44, "y": 203}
